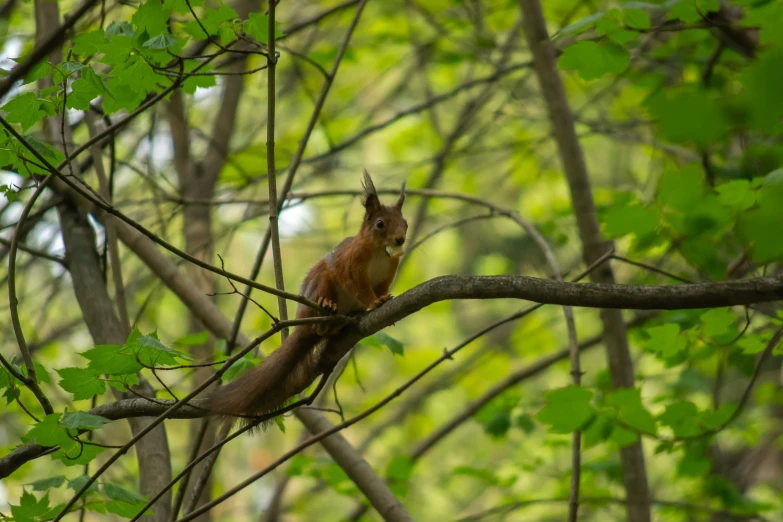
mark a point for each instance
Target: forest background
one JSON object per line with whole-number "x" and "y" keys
{"x": 170, "y": 168}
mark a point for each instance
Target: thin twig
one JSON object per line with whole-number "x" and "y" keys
{"x": 277, "y": 260}
{"x": 31, "y": 380}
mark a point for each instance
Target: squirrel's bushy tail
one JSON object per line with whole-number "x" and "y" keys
{"x": 284, "y": 373}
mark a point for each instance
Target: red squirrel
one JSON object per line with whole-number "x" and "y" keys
{"x": 354, "y": 277}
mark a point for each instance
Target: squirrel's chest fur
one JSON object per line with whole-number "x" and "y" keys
{"x": 378, "y": 268}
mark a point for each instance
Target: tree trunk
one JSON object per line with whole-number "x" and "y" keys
{"x": 593, "y": 243}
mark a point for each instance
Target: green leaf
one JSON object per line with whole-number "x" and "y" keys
{"x": 150, "y": 351}
{"x": 151, "y": 17}
{"x": 41, "y": 373}
{"x": 496, "y": 416}
{"x": 79, "y": 455}
{"x": 622, "y": 36}
{"x": 137, "y": 74}
{"x": 257, "y": 26}
{"x": 116, "y": 492}
{"x": 400, "y": 468}
{"x": 200, "y": 81}
{"x": 736, "y": 194}
{"x": 78, "y": 483}
{"x": 761, "y": 228}
{"x": 194, "y": 339}
{"x": 525, "y": 423}
{"x": 299, "y": 465}
{"x": 714, "y": 419}
{"x": 684, "y": 10}
{"x": 499, "y": 424}
{"x": 162, "y": 41}
{"x": 48, "y": 483}
{"x": 381, "y": 339}
{"x": 695, "y": 462}
{"x": 395, "y": 346}
{"x": 44, "y": 149}
{"x": 48, "y": 432}
{"x": 681, "y": 417}
{"x": 666, "y": 340}
{"x": 773, "y": 178}
{"x": 125, "y": 510}
{"x": 70, "y": 67}
{"x": 567, "y": 409}
{"x": 636, "y": 18}
{"x": 124, "y": 97}
{"x": 708, "y": 6}
{"x": 120, "y": 29}
{"x": 107, "y": 358}
{"x": 598, "y": 430}
{"x": 717, "y": 321}
{"x": 610, "y": 26}
{"x": 239, "y": 367}
{"x": 25, "y": 110}
{"x": 117, "y": 51}
{"x": 37, "y": 71}
{"x": 123, "y": 382}
{"x": 84, "y": 383}
{"x": 83, "y": 420}
{"x": 30, "y": 508}
{"x": 10, "y": 194}
{"x": 631, "y": 411}
{"x": 752, "y": 344}
{"x": 211, "y": 21}
{"x": 89, "y": 43}
{"x": 82, "y": 93}
{"x": 622, "y": 437}
{"x": 689, "y": 117}
{"x": 579, "y": 25}
{"x": 681, "y": 189}
{"x": 592, "y": 60}
{"x": 95, "y": 80}
{"x": 621, "y": 220}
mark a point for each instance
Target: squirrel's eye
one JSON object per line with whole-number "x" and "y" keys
{"x": 379, "y": 224}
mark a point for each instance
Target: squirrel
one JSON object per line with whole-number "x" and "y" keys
{"x": 354, "y": 277}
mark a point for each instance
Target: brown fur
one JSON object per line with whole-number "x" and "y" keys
{"x": 354, "y": 277}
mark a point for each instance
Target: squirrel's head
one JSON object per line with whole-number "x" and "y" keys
{"x": 384, "y": 226}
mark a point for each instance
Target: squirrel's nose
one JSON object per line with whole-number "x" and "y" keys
{"x": 400, "y": 240}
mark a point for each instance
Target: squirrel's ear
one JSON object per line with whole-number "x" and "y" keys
{"x": 401, "y": 199}
{"x": 371, "y": 201}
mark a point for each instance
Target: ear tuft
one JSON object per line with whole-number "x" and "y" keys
{"x": 401, "y": 199}
{"x": 371, "y": 201}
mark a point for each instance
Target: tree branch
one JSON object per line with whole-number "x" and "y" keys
{"x": 639, "y": 297}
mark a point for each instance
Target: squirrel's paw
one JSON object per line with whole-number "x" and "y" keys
{"x": 382, "y": 299}
{"x": 328, "y": 304}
